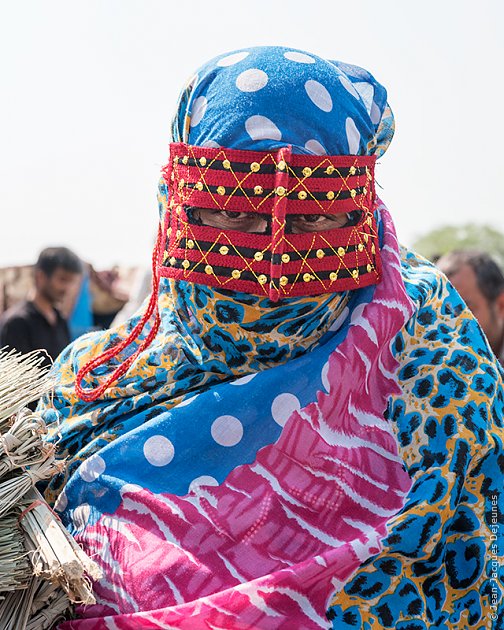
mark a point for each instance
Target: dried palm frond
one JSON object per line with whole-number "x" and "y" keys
{"x": 23, "y": 379}
{"x": 56, "y": 556}
{"x": 50, "y": 605}
{"x": 42, "y": 569}
{"x": 14, "y": 611}
{"x": 15, "y": 567}
{"x": 21, "y": 445}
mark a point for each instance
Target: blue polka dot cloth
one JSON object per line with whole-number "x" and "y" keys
{"x": 268, "y": 97}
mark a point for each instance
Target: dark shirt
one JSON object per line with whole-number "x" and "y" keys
{"x": 24, "y": 328}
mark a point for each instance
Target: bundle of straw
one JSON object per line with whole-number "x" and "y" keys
{"x": 23, "y": 379}
{"x": 42, "y": 569}
{"x": 49, "y": 606}
{"x": 15, "y": 567}
{"x": 56, "y": 556}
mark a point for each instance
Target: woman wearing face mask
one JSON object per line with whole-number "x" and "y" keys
{"x": 302, "y": 427}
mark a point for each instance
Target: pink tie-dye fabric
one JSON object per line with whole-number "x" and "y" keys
{"x": 269, "y": 546}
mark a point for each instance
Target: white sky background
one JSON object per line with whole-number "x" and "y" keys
{"x": 88, "y": 88}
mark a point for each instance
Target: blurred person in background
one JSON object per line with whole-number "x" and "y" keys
{"x": 37, "y": 323}
{"x": 480, "y": 282}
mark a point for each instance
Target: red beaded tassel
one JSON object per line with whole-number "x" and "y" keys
{"x": 92, "y": 394}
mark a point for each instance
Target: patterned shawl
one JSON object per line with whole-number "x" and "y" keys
{"x": 332, "y": 459}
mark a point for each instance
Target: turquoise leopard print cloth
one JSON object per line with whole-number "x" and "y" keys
{"x": 442, "y": 565}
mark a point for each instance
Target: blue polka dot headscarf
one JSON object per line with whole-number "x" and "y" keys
{"x": 267, "y": 97}
{"x": 262, "y": 99}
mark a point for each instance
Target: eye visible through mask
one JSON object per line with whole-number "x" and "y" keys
{"x": 270, "y": 223}
{"x": 256, "y": 223}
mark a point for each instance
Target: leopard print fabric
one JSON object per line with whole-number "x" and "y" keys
{"x": 442, "y": 561}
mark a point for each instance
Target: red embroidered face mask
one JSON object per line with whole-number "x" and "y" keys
{"x": 288, "y": 204}
{"x": 270, "y": 223}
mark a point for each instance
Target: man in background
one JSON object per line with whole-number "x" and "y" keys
{"x": 37, "y": 323}
{"x": 480, "y": 282}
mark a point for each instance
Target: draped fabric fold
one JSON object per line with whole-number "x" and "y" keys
{"x": 321, "y": 459}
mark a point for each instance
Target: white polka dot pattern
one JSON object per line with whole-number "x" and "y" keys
{"x": 353, "y": 136}
{"x": 300, "y": 57}
{"x": 243, "y": 380}
{"x": 187, "y": 401}
{"x": 211, "y": 144}
{"x": 375, "y": 114}
{"x": 230, "y": 60}
{"x": 80, "y": 516}
{"x": 158, "y": 450}
{"x": 319, "y": 95}
{"x": 227, "y": 430}
{"x": 258, "y": 98}
{"x": 203, "y": 480}
{"x": 92, "y": 468}
{"x": 314, "y": 146}
{"x": 366, "y": 93}
{"x": 348, "y": 86}
{"x": 325, "y": 378}
{"x": 198, "y": 110}
{"x": 283, "y": 407}
{"x": 251, "y": 80}
{"x": 262, "y": 128}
